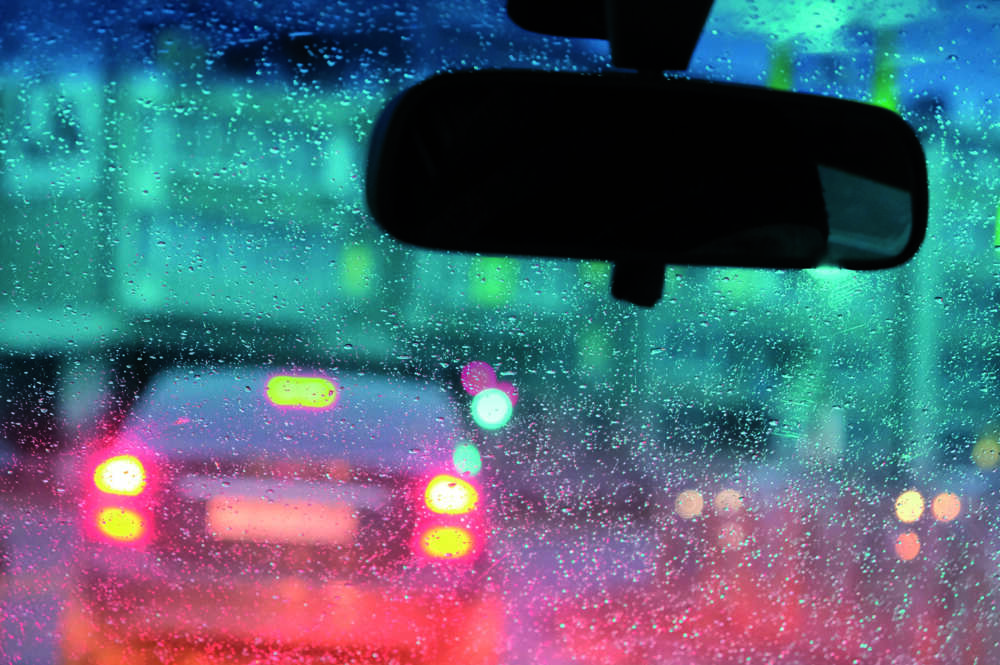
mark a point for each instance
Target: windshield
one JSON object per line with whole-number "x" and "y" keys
{"x": 240, "y": 424}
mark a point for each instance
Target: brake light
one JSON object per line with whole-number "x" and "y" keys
{"x": 120, "y": 524}
{"x": 449, "y": 495}
{"x": 122, "y": 474}
{"x": 447, "y": 542}
{"x": 311, "y": 392}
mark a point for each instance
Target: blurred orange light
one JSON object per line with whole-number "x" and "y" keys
{"x": 946, "y": 507}
{"x": 907, "y": 546}
{"x": 728, "y": 501}
{"x": 313, "y": 392}
{"x": 446, "y": 542}
{"x": 689, "y": 504}
{"x": 909, "y": 506}
{"x": 122, "y": 474}
{"x": 450, "y": 495}
{"x": 120, "y": 524}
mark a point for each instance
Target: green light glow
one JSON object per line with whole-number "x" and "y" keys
{"x": 492, "y": 279}
{"x": 884, "y": 78}
{"x": 466, "y": 459}
{"x": 996, "y": 230}
{"x": 596, "y": 273}
{"x": 781, "y": 69}
{"x": 491, "y": 409}
{"x": 359, "y": 270}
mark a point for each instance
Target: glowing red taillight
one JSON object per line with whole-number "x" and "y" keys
{"x": 449, "y": 495}
{"x": 447, "y": 542}
{"x": 450, "y": 524}
{"x": 119, "y": 510}
{"x": 121, "y": 474}
{"x": 121, "y": 524}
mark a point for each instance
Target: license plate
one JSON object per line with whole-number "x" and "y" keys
{"x": 300, "y": 522}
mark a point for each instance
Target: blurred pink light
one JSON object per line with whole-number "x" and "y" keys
{"x": 477, "y": 376}
{"x": 510, "y": 389}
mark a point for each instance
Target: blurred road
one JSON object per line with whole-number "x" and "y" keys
{"x": 533, "y": 565}
{"x": 40, "y": 545}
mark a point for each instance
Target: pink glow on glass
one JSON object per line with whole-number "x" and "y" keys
{"x": 510, "y": 389}
{"x": 477, "y": 376}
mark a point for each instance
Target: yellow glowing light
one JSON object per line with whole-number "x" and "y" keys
{"x": 946, "y": 506}
{"x": 122, "y": 474}
{"x": 986, "y": 453}
{"x": 728, "y": 501}
{"x": 312, "y": 392}
{"x": 450, "y": 495}
{"x": 909, "y": 506}
{"x": 907, "y": 546}
{"x": 689, "y": 504}
{"x": 120, "y": 524}
{"x": 446, "y": 542}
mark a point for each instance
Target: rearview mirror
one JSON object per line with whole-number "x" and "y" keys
{"x": 646, "y": 172}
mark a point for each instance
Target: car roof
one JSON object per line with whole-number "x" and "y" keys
{"x": 376, "y": 420}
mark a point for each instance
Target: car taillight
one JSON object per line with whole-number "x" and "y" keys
{"x": 449, "y": 495}
{"x": 121, "y": 474}
{"x": 121, "y": 524}
{"x": 450, "y": 523}
{"x": 447, "y": 542}
{"x": 119, "y": 506}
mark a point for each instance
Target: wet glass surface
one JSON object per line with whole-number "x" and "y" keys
{"x": 240, "y": 425}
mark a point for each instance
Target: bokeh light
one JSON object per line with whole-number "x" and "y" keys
{"x": 728, "y": 501}
{"x": 689, "y": 504}
{"x": 492, "y": 409}
{"x": 510, "y": 390}
{"x": 450, "y": 495}
{"x": 360, "y": 270}
{"x": 946, "y": 506}
{"x": 313, "y": 392}
{"x": 477, "y": 376}
{"x": 466, "y": 459}
{"x": 121, "y": 474}
{"x": 986, "y": 453}
{"x": 446, "y": 542}
{"x": 121, "y": 524}
{"x": 909, "y": 506}
{"x": 907, "y": 546}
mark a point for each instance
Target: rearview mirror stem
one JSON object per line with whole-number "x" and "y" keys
{"x": 638, "y": 282}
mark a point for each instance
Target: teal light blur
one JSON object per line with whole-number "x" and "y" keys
{"x": 492, "y": 409}
{"x": 467, "y": 459}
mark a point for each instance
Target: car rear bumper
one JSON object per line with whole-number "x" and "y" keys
{"x": 289, "y": 622}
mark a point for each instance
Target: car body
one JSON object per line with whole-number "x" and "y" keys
{"x": 201, "y": 532}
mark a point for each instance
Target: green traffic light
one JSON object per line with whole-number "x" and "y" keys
{"x": 492, "y": 409}
{"x": 467, "y": 459}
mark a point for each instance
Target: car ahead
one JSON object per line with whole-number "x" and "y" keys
{"x": 253, "y": 513}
